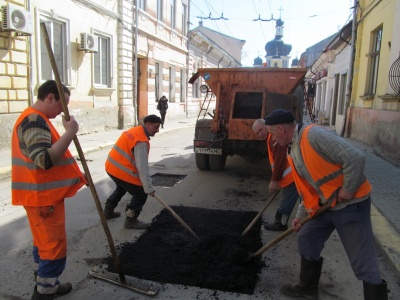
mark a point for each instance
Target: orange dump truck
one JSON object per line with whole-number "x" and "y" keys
{"x": 241, "y": 95}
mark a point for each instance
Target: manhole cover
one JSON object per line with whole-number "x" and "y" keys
{"x": 167, "y": 253}
{"x": 166, "y": 180}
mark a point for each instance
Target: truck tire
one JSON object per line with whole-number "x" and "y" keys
{"x": 217, "y": 162}
{"x": 202, "y": 161}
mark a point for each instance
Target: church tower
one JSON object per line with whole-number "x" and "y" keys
{"x": 277, "y": 51}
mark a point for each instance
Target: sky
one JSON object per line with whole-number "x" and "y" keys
{"x": 306, "y": 22}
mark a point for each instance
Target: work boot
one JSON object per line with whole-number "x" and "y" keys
{"x": 62, "y": 288}
{"x": 375, "y": 291}
{"x": 310, "y": 272}
{"x": 277, "y": 225}
{"x": 132, "y": 222}
{"x": 109, "y": 212}
{"x": 38, "y": 296}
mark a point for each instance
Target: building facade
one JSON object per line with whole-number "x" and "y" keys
{"x": 116, "y": 58}
{"x": 374, "y": 111}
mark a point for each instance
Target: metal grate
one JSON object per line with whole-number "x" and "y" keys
{"x": 394, "y": 76}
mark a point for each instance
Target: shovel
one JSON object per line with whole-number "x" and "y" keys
{"x": 290, "y": 230}
{"x": 260, "y": 213}
{"x": 176, "y": 217}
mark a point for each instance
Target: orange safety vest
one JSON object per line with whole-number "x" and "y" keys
{"x": 287, "y": 176}
{"x": 327, "y": 178}
{"x": 120, "y": 161}
{"x": 34, "y": 186}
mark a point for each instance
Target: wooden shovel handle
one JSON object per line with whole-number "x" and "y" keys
{"x": 290, "y": 230}
{"x": 81, "y": 155}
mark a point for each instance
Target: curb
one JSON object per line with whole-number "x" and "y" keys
{"x": 387, "y": 239}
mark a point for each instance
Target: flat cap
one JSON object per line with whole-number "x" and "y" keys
{"x": 152, "y": 119}
{"x": 279, "y": 116}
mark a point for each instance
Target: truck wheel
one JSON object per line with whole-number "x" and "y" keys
{"x": 217, "y": 162}
{"x": 202, "y": 161}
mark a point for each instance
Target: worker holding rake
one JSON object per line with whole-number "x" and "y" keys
{"x": 328, "y": 169}
{"x": 43, "y": 174}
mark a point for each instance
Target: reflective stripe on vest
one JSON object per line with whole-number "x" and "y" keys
{"x": 34, "y": 186}
{"x": 287, "y": 177}
{"x": 120, "y": 161}
{"x": 327, "y": 178}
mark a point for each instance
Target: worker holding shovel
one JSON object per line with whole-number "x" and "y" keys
{"x": 43, "y": 174}
{"x": 327, "y": 169}
{"x": 281, "y": 179}
{"x": 127, "y": 165}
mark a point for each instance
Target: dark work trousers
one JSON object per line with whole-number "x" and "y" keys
{"x": 138, "y": 199}
{"x": 288, "y": 198}
{"x": 353, "y": 224}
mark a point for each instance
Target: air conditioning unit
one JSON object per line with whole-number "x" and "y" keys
{"x": 89, "y": 43}
{"x": 14, "y": 18}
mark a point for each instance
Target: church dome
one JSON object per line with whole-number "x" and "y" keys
{"x": 277, "y": 46}
{"x": 258, "y": 61}
{"x": 295, "y": 62}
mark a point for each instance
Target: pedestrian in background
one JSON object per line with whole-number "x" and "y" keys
{"x": 127, "y": 165}
{"x": 327, "y": 169}
{"x": 281, "y": 179}
{"x": 43, "y": 174}
{"x": 162, "y": 106}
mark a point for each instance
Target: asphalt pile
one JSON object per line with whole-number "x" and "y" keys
{"x": 167, "y": 253}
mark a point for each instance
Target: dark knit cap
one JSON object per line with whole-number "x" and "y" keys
{"x": 279, "y": 116}
{"x": 152, "y": 119}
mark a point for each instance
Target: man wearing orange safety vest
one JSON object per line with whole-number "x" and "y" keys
{"x": 43, "y": 174}
{"x": 328, "y": 169}
{"x": 281, "y": 179}
{"x": 127, "y": 165}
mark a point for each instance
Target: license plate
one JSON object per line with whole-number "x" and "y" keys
{"x": 213, "y": 151}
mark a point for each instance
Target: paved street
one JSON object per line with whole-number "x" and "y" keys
{"x": 386, "y": 191}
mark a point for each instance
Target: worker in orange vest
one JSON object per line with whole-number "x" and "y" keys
{"x": 328, "y": 169}
{"x": 43, "y": 174}
{"x": 127, "y": 165}
{"x": 281, "y": 179}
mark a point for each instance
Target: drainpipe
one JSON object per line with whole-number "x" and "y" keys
{"x": 30, "y": 84}
{"x": 187, "y": 62}
{"x": 135, "y": 69}
{"x": 350, "y": 72}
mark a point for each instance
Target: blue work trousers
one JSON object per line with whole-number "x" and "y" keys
{"x": 353, "y": 224}
{"x": 288, "y": 197}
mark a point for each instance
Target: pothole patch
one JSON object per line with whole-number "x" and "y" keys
{"x": 166, "y": 180}
{"x": 167, "y": 253}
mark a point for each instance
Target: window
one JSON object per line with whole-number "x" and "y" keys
{"x": 184, "y": 19}
{"x": 160, "y": 10}
{"x": 374, "y": 61}
{"x": 342, "y": 95}
{"x": 142, "y": 4}
{"x": 56, "y": 31}
{"x": 102, "y": 62}
{"x": 173, "y": 16}
{"x": 157, "y": 81}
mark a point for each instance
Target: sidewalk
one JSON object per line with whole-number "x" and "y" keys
{"x": 383, "y": 176}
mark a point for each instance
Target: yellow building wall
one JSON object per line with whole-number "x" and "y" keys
{"x": 370, "y": 17}
{"x": 375, "y": 119}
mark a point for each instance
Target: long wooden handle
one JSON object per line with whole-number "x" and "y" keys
{"x": 82, "y": 156}
{"x": 290, "y": 230}
{"x": 176, "y": 217}
{"x": 260, "y": 213}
